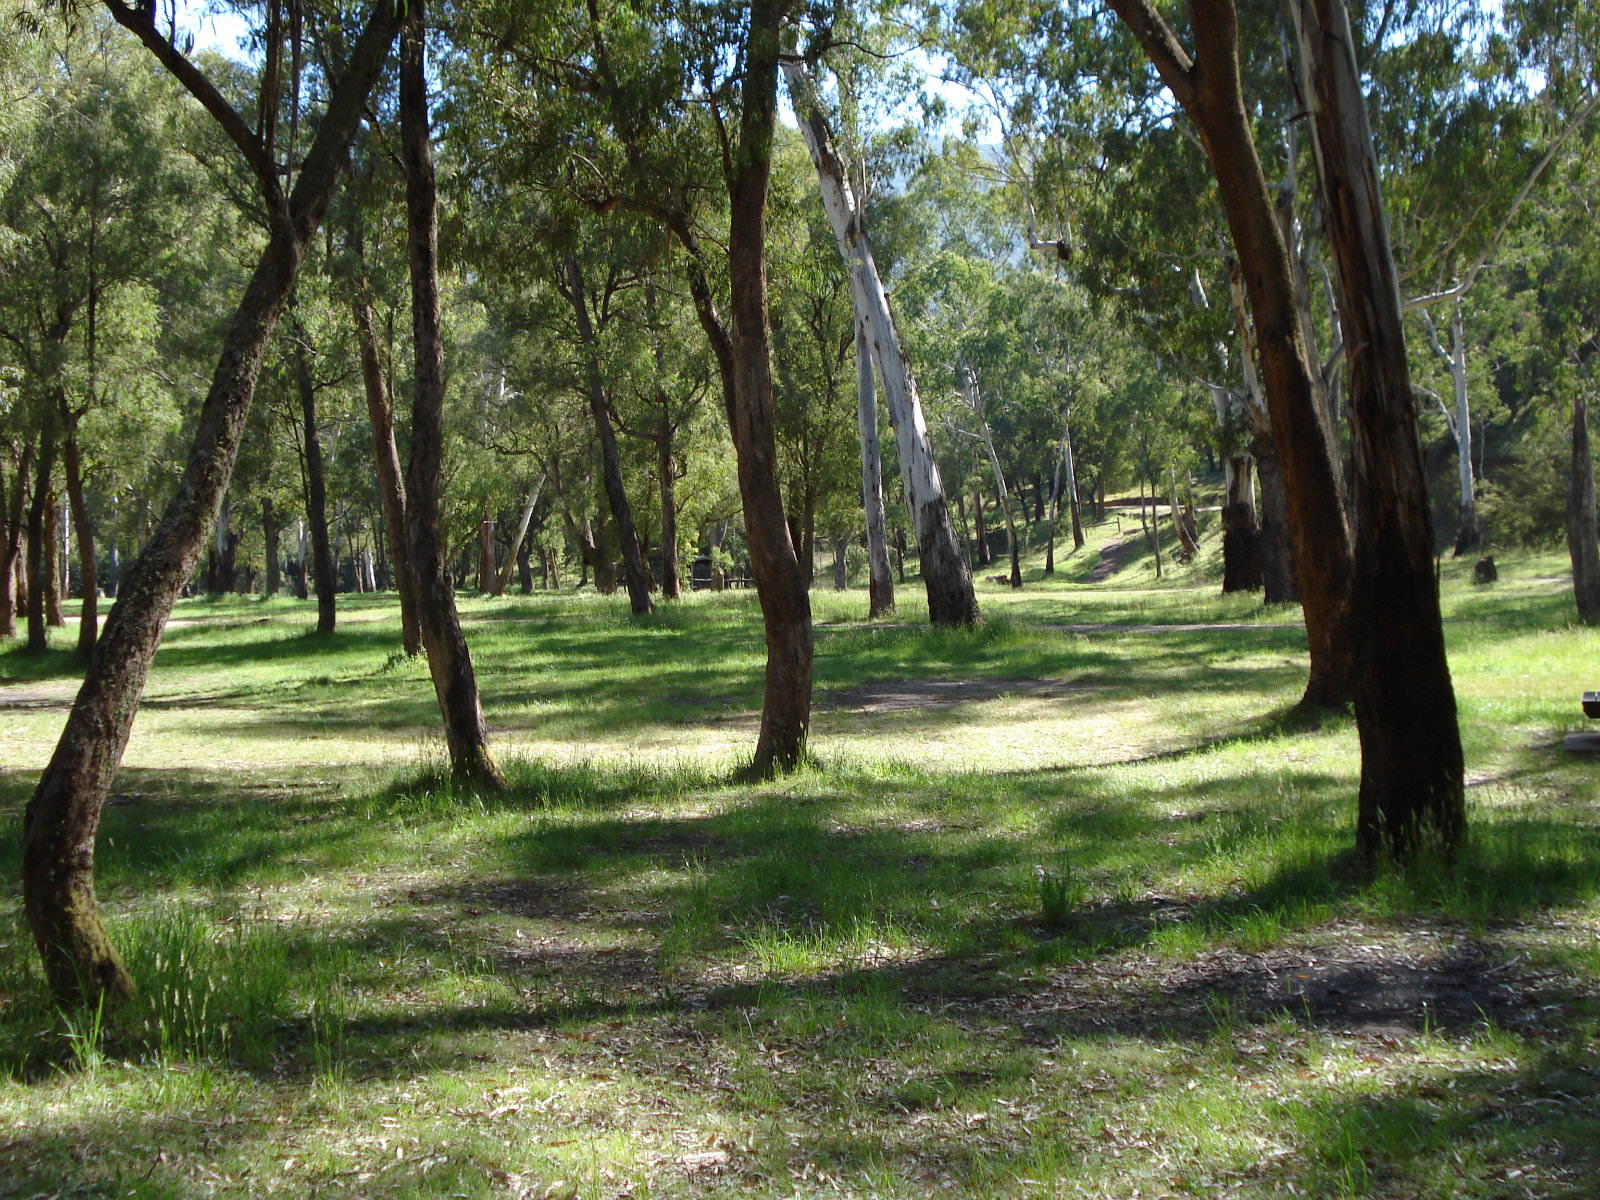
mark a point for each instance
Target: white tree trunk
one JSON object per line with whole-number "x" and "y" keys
{"x": 510, "y": 564}
{"x": 951, "y": 600}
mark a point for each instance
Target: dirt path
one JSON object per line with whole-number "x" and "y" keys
{"x": 1114, "y": 555}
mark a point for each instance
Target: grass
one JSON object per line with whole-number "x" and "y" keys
{"x": 1064, "y": 907}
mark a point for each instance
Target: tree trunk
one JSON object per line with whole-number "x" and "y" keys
{"x": 449, "y": 662}
{"x": 1074, "y": 506}
{"x": 385, "y": 456}
{"x": 951, "y": 600}
{"x": 322, "y": 568}
{"x": 1468, "y": 536}
{"x": 1581, "y": 534}
{"x": 89, "y": 612}
{"x": 980, "y": 535}
{"x": 1186, "y": 537}
{"x": 64, "y": 814}
{"x": 39, "y": 543}
{"x": 1279, "y": 579}
{"x": 1208, "y": 87}
{"x": 841, "y": 563}
{"x": 55, "y": 581}
{"x": 1412, "y": 785}
{"x": 785, "y": 604}
{"x": 610, "y": 459}
{"x": 15, "y": 509}
{"x": 270, "y": 531}
{"x": 667, "y": 476}
{"x": 880, "y": 583}
{"x": 517, "y": 554}
{"x": 1152, "y": 528}
{"x": 486, "y": 572}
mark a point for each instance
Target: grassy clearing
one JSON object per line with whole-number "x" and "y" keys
{"x": 1064, "y": 907}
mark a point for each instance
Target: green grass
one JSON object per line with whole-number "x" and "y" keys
{"x": 1064, "y": 906}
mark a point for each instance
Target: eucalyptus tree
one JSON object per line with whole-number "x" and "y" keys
{"x": 455, "y": 683}
{"x": 1468, "y": 126}
{"x": 1412, "y": 779}
{"x": 595, "y": 308}
{"x": 637, "y": 102}
{"x": 816, "y": 392}
{"x": 95, "y": 203}
{"x": 948, "y": 582}
{"x": 368, "y": 265}
{"x": 63, "y": 814}
{"x": 1206, "y": 82}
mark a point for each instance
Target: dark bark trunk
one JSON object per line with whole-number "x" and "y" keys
{"x": 1279, "y": 579}
{"x": 785, "y": 604}
{"x": 1241, "y": 538}
{"x": 15, "y": 510}
{"x": 271, "y": 532}
{"x": 89, "y": 612}
{"x": 610, "y": 459}
{"x": 449, "y": 662}
{"x": 63, "y": 816}
{"x": 841, "y": 563}
{"x": 39, "y": 548}
{"x": 1582, "y": 545}
{"x": 900, "y": 554}
{"x": 486, "y": 571}
{"x": 55, "y": 583}
{"x": 1208, "y": 87}
{"x": 322, "y": 568}
{"x": 386, "y": 458}
{"x": 1412, "y": 779}
{"x": 525, "y": 567}
{"x": 666, "y": 470}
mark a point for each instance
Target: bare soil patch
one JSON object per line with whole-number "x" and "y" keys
{"x": 908, "y": 695}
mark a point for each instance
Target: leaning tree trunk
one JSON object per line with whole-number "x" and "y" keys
{"x": 64, "y": 814}
{"x": 610, "y": 458}
{"x": 1412, "y": 787}
{"x": 1208, "y": 87}
{"x": 385, "y": 457}
{"x": 89, "y": 612}
{"x": 1074, "y": 505}
{"x": 1581, "y": 533}
{"x": 517, "y": 552}
{"x": 951, "y": 600}
{"x": 449, "y": 663}
{"x": 880, "y": 583}
{"x": 322, "y": 571}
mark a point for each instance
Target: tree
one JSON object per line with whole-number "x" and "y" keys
{"x": 1411, "y": 769}
{"x": 1207, "y": 84}
{"x": 449, "y": 661}
{"x": 64, "y": 812}
{"x": 951, "y": 600}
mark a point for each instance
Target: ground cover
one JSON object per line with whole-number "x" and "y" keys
{"x": 1064, "y": 907}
